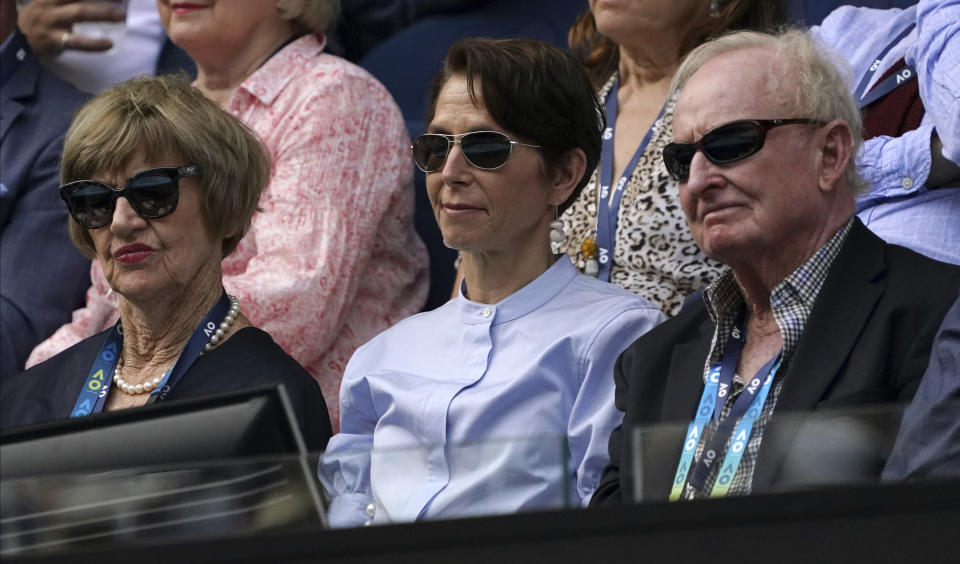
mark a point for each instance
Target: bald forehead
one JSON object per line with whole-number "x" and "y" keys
{"x": 752, "y": 83}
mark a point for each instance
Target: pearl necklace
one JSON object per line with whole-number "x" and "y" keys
{"x": 150, "y": 385}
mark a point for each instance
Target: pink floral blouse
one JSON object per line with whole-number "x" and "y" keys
{"x": 332, "y": 259}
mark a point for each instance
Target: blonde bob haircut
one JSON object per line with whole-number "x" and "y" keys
{"x": 309, "y": 16}
{"x": 820, "y": 80}
{"x": 167, "y": 116}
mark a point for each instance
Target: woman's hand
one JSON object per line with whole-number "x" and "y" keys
{"x": 48, "y": 24}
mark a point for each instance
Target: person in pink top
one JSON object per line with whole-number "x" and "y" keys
{"x": 332, "y": 258}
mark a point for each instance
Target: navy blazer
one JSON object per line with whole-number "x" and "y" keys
{"x": 867, "y": 341}
{"x": 928, "y": 445}
{"x": 42, "y": 276}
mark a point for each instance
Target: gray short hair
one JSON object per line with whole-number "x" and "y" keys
{"x": 823, "y": 79}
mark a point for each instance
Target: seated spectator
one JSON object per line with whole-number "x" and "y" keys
{"x": 527, "y": 348}
{"x": 161, "y": 184}
{"x": 93, "y": 63}
{"x": 906, "y": 82}
{"x": 36, "y": 296}
{"x": 627, "y": 227}
{"x": 928, "y": 445}
{"x": 333, "y": 259}
{"x": 814, "y": 311}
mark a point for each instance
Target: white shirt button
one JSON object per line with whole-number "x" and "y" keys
{"x": 371, "y": 509}
{"x": 487, "y": 312}
{"x": 907, "y": 182}
{"x": 367, "y": 523}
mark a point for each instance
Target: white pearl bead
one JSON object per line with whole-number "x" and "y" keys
{"x": 138, "y": 389}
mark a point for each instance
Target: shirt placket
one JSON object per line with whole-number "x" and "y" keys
{"x": 478, "y": 342}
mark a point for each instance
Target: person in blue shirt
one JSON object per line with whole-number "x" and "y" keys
{"x": 501, "y": 400}
{"x": 905, "y": 80}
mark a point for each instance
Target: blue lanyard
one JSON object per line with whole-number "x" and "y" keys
{"x": 738, "y": 424}
{"x": 890, "y": 83}
{"x": 93, "y": 395}
{"x": 608, "y": 209}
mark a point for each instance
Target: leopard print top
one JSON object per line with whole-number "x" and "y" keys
{"x": 654, "y": 254}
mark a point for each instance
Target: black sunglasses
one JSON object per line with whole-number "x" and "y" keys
{"x": 487, "y": 150}
{"x": 152, "y": 193}
{"x": 724, "y": 144}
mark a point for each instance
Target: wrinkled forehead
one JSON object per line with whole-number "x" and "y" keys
{"x": 754, "y": 83}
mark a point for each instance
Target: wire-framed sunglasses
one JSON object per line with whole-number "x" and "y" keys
{"x": 727, "y": 143}
{"x": 486, "y": 150}
{"x": 153, "y": 193}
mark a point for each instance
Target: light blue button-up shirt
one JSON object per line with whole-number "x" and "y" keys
{"x": 484, "y": 408}
{"x": 899, "y": 207}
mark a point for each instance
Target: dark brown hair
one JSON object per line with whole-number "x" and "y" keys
{"x": 600, "y": 55}
{"x": 536, "y": 91}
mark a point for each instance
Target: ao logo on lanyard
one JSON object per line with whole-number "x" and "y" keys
{"x": 607, "y": 208}
{"x": 738, "y": 423}
{"x": 97, "y": 385}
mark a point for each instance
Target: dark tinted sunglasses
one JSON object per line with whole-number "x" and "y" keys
{"x": 152, "y": 193}
{"x": 727, "y": 143}
{"x": 487, "y": 150}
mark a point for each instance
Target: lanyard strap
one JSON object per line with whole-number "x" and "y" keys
{"x": 891, "y": 83}
{"x": 743, "y": 414}
{"x": 94, "y": 392}
{"x": 608, "y": 209}
{"x": 95, "y": 389}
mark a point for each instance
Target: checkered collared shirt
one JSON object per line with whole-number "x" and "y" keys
{"x": 791, "y": 302}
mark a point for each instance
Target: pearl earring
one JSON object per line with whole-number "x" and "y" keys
{"x": 557, "y": 235}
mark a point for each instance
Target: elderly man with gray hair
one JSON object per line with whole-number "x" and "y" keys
{"x": 814, "y": 310}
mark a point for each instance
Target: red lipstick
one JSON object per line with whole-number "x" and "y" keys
{"x": 134, "y": 253}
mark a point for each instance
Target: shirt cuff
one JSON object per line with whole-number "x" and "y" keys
{"x": 351, "y": 510}
{"x": 895, "y": 166}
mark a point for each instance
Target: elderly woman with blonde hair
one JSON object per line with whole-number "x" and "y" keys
{"x": 161, "y": 185}
{"x": 332, "y": 259}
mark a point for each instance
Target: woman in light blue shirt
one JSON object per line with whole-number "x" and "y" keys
{"x": 502, "y": 399}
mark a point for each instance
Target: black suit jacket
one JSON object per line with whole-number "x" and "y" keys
{"x": 867, "y": 341}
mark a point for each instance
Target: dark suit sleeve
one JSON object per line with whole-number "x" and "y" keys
{"x": 43, "y": 277}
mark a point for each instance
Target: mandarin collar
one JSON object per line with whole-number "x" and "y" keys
{"x": 541, "y": 290}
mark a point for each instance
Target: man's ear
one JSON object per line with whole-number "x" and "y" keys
{"x": 836, "y": 149}
{"x": 567, "y": 175}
